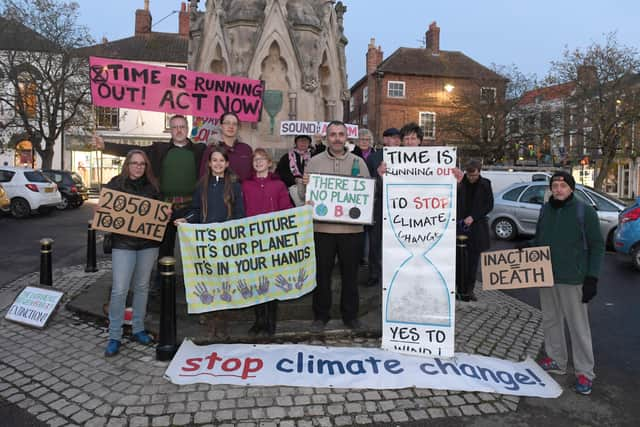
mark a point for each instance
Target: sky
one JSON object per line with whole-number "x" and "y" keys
{"x": 525, "y": 33}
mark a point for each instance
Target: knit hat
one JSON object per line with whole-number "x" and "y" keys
{"x": 307, "y": 137}
{"x": 391, "y": 132}
{"x": 563, "y": 176}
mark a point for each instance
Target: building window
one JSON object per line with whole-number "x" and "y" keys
{"x": 488, "y": 95}
{"x": 28, "y": 97}
{"x": 365, "y": 94}
{"x": 107, "y": 118}
{"x": 514, "y": 126}
{"x": 365, "y": 120}
{"x": 428, "y": 124}
{"x": 352, "y": 105}
{"x": 395, "y": 89}
{"x": 488, "y": 127}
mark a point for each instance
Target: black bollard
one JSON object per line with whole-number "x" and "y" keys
{"x": 167, "y": 346}
{"x": 461, "y": 265}
{"x": 46, "y": 278}
{"x": 91, "y": 251}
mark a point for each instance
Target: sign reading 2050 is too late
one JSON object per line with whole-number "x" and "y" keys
{"x": 131, "y": 215}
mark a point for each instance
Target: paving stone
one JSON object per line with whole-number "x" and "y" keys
{"x": 275, "y": 412}
{"x": 453, "y": 412}
{"x": 284, "y": 401}
{"x": 181, "y": 419}
{"x": 175, "y": 408}
{"x": 362, "y": 419}
{"x": 487, "y": 408}
{"x": 353, "y": 408}
{"x": 436, "y": 412}
{"x": 164, "y": 421}
{"x": 381, "y": 418}
{"x": 96, "y": 422}
{"x": 335, "y": 409}
{"x": 227, "y": 414}
{"x": 343, "y": 421}
{"x": 135, "y": 410}
{"x": 371, "y": 395}
{"x": 103, "y": 409}
{"x": 203, "y": 417}
{"x": 398, "y": 416}
{"x": 469, "y": 410}
{"x": 44, "y": 416}
{"x": 456, "y": 400}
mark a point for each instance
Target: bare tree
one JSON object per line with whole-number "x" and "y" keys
{"x": 45, "y": 87}
{"x": 478, "y": 117}
{"x": 605, "y": 102}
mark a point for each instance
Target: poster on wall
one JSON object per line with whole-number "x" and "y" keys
{"x": 419, "y": 233}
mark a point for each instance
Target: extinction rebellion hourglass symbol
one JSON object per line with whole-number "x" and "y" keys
{"x": 419, "y": 215}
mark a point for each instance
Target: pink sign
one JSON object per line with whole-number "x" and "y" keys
{"x": 126, "y": 84}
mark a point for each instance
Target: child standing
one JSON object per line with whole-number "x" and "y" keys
{"x": 264, "y": 193}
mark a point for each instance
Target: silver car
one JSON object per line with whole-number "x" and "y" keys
{"x": 516, "y": 209}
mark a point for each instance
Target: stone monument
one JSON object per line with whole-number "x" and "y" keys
{"x": 296, "y": 46}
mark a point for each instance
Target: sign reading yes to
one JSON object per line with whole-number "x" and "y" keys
{"x": 514, "y": 268}
{"x": 131, "y": 215}
{"x": 344, "y": 199}
{"x": 34, "y": 306}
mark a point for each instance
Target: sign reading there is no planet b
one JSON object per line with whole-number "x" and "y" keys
{"x": 34, "y": 306}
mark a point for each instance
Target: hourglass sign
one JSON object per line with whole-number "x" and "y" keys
{"x": 420, "y": 215}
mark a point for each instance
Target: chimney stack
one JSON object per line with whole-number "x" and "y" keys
{"x": 183, "y": 20}
{"x": 432, "y": 37}
{"x": 374, "y": 56}
{"x": 143, "y": 19}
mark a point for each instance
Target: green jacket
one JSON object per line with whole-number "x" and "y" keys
{"x": 560, "y": 230}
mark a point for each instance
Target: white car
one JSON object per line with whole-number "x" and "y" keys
{"x": 28, "y": 190}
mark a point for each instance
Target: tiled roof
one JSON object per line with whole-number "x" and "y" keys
{"x": 16, "y": 36}
{"x": 422, "y": 62}
{"x": 156, "y": 47}
{"x": 548, "y": 93}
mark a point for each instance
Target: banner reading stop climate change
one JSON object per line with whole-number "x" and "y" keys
{"x": 126, "y": 84}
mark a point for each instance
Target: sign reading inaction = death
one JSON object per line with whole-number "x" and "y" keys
{"x": 517, "y": 268}
{"x": 419, "y": 214}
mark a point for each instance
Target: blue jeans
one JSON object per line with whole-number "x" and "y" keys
{"x": 130, "y": 267}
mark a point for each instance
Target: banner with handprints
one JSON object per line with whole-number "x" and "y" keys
{"x": 249, "y": 261}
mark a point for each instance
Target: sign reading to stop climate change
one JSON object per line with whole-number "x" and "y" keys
{"x": 344, "y": 199}
{"x": 131, "y": 215}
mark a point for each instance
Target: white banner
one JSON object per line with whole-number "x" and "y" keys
{"x": 295, "y": 127}
{"x": 33, "y": 306}
{"x": 419, "y": 233}
{"x": 344, "y": 199}
{"x": 355, "y": 368}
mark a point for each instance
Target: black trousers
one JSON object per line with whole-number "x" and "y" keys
{"x": 167, "y": 246}
{"x": 348, "y": 248}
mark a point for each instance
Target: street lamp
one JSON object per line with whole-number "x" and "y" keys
{"x": 449, "y": 87}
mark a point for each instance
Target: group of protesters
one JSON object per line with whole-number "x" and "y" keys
{"x": 227, "y": 179}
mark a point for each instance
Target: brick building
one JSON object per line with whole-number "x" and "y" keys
{"x": 421, "y": 85}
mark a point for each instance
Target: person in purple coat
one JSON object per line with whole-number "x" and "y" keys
{"x": 264, "y": 193}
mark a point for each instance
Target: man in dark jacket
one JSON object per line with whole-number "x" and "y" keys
{"x": 475, "y": 201}
{"x": 572, "y": 230}
{"x": 176, "y": 165}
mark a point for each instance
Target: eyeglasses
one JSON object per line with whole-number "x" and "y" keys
{"x": 230, "y": 123}
{"x": 138, "y": 164}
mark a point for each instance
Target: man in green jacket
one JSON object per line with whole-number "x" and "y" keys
{"x": 577, "y": 249}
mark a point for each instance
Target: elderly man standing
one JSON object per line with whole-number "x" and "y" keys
{"x": 331, "y": 239}
{"x": 176, "y": 164}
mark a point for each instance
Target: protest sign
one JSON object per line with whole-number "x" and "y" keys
{"x": 293, "y": 127}
{"x": 419, "y": 233}
{"x": 204, "y": 128}
{"x": 354, "y": 368}
{"x": 517, "y": 268}
{"x": 344, "y": 199}
{"x": 34, "y": 306}
{"x": 131, "y": 215}
{"x": 126, "y": 84}
{"x": 248, "y": 261}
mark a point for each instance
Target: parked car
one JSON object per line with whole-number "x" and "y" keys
{"x": 29, "y": 190}
{"x": 71, "y": 187}
{"x": 516, "y": 209}
{"x": 627, "y": 236}
{"x": 501, "y": 179}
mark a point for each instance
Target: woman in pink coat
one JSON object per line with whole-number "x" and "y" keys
{"x": 264, "y": 193}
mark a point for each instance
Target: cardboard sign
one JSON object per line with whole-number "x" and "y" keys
{"x": 126, "y": 84}
{"x": 514, "y": 268}
{"x": 34, "y": 306}
{"x": 248, "y": 261}
{"x": 344, "y": 199}
{"x": 299, "y": 365}
{"x": 418, "y": 251}
{"x": 292, "y": 127}
{"x": 131, "y": 215}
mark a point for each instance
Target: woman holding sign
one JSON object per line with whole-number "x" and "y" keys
{"x": 264, "y": 193}
{"x": 133, "y": 257}
{"x": 218, "y": 198}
